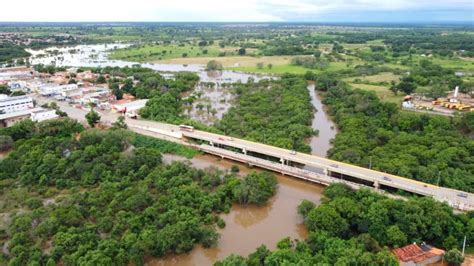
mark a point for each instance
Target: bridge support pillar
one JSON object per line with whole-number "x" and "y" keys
{"x": 244, "y": 151}
{"x": 376, "y": 185}
{"x": 282, "y": 161}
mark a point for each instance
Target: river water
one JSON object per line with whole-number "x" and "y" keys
{"x": 322, "y": 122}
{"x": 248, "y": 227}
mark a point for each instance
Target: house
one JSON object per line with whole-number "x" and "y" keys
{"x": 35, "y": 114}
{"x": 418, "y": 255}
{"x": 8, "y": 120}
{"x": 53, "y": 89}
{"x": 43, "y": 114}
{"x": 15, "y": 104}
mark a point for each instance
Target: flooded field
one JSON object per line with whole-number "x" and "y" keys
{"x": 211, "y": 102}
{"x": 97, "y": 56}
{"x": 248, "y": 227}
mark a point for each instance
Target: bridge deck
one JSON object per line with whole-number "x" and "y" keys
{"x": 172, "y": 132}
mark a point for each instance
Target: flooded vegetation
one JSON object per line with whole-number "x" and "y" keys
{"x": 210, "y": 102}
{"x": 96, "y": 55}
{"x": 248, "y": 227}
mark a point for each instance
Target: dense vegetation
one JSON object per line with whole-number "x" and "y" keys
{"x": 81, "y": 197}
{"x": 272, "y": 112}
{"x": 417, "y": 146}
{"x": 357, "y": 228}
{"x": 9, "y": 51}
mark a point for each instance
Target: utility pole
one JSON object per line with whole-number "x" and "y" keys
{"x": 370, "y": 163}
{"x": 464, "y": 245}
{"x": 439, "y": 177}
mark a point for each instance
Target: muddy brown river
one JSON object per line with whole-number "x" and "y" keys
{"x": 322, "y": 122}
{"x": 248, "y": 227}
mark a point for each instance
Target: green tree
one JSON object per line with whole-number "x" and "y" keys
{"x": 6, "y": 142}
{"x": 396, "y": 238}
{"x": 450, "y": 242}
{"x": 406, "y": 87}
{"x": 325, "y": 218}
{"x": 454, "y": 257}
{"x": 100, "y": 80}
{"x": 119, "y": 123}
{"x": 305, "y": 207}
{"x": 92, "y": 118}
{"x": 213, "y": 65}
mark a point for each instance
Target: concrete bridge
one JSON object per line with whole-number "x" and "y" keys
{"x": 304, "y": 166}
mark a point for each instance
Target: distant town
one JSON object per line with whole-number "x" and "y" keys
{"x": 31, "y": 87}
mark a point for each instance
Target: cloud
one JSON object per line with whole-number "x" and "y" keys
{"x": 312, "y": 10}
{"x": 220, "y": 10}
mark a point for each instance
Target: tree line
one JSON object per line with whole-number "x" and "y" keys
{"x": 360, "y": 227}
{"x": 93, "y": 197}
{"x": 432, "y": 149}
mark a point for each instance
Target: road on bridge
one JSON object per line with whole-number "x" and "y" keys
{"x": 458, "y": 199}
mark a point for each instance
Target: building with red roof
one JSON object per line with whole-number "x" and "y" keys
{"x": 417, "y": 255}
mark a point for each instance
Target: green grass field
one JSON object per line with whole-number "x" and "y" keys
{"x": 382, "y": 77}
{"x": 382, "y": 92}
{"x": 288, "y": 68}
{"x": 148, "y": 53}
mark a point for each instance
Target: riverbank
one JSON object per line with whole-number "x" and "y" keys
{"x": 248, "y": 227}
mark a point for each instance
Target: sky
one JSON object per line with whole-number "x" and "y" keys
{"x": 239, "y": 10}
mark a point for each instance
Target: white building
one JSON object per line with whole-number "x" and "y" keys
{"x": 35, "y": 114}
{"x": 8, "y": 76}
{"x": 72, "y": 92}
{"x": 53, "y": 89}
{"x": 18, "y": 85}
{"x": 15, "y": 104}
{"x": 43, "y": 114}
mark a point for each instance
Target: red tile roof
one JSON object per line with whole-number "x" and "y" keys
{"x": 415, "y": 253}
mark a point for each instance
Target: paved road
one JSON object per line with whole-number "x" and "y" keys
{"x": 450, "y": 196}
{"x": 458, "y": 199}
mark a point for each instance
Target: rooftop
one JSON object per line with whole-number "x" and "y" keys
{"x": 416, "y": 253}
{"x": 19, "y": 113}
{"x": 2, "y": 99}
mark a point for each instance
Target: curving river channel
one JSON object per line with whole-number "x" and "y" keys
{"x": 247, "y": 227}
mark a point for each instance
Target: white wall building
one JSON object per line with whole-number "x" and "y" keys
{"x": 43, "y": 114}
{"x": 35, "y": 114}
{"x": 53, "y": 89}
{"x": 15, "y": 104}
{"x": 8, "y": 76}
